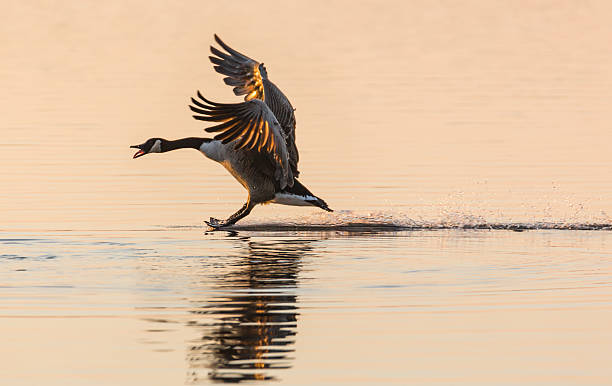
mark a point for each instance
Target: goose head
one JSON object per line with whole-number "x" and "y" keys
{"x": 152, "y": 145}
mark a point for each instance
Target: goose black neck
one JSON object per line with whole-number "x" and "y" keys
{"x": 184, "y": 143}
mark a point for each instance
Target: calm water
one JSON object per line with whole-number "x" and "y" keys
{"x": 427, "y": 127}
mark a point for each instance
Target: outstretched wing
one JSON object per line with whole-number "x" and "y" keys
{"x": 250, "y": 125}
{"x": 246, "y": 74}
{"x": 250, "y": 78}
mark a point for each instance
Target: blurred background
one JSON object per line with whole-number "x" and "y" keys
{"x": 430, "y": 112}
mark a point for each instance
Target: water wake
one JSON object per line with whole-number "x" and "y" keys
{"x": 351, "y": 221}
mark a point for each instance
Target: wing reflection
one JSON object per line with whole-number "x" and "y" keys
{"x": 248, "y": 331}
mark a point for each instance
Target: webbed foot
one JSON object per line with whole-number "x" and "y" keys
{"x": 215, "y": 224}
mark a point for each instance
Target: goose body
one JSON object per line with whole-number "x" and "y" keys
{"x": 255, "y": 140}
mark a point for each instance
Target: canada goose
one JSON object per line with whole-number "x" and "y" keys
{"x": 255, "y": 140}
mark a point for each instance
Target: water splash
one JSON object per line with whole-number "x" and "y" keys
{"x": 348, "y": 220}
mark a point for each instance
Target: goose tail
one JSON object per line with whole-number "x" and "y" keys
{"x": 299, "y": 195}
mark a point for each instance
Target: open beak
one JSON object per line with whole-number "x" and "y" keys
{"x": 139, "y": 153}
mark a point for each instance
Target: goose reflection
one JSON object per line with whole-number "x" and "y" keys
{"x": 248, "y": 331}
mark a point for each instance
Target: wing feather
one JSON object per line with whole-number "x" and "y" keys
{"x": 231, "y": 134}
{"x": 250, "y": 125}
{"x": 241, "y": 71}
{"x": 244, "y": 140}
{"x": 222, "y": 127}
{"x": 266, "y": 134}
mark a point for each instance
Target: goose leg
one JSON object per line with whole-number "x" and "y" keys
{"x": 241, "y": 213}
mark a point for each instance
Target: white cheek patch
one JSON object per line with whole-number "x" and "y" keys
{"x": 156, "y": 148}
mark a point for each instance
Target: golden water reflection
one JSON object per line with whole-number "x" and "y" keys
{"x": 248, "y": 330}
